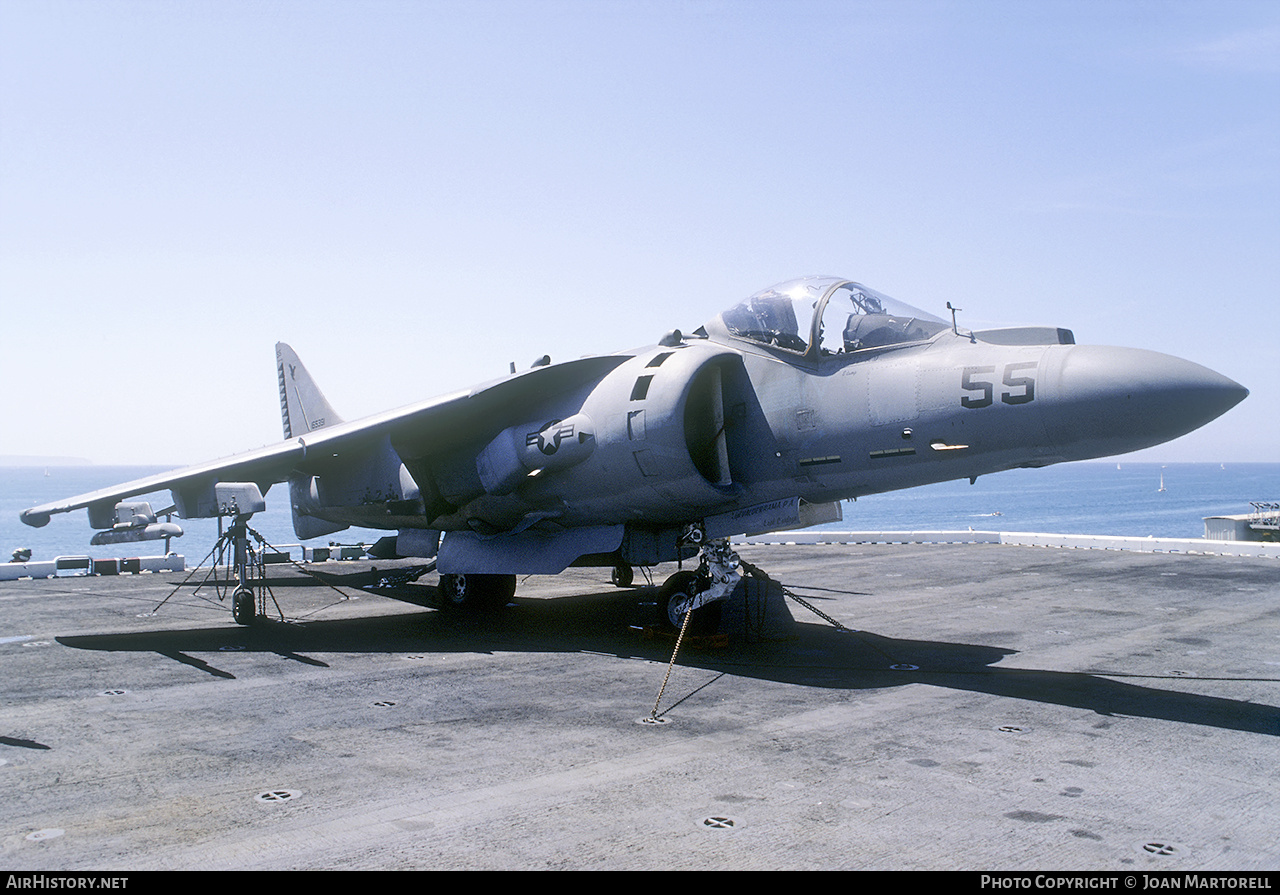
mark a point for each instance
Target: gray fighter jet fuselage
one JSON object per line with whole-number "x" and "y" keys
{"x": 805, "y": 394}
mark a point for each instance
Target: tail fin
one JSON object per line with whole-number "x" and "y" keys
{"x": 303, "y": 407}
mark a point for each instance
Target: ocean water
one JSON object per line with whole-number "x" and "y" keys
{"x": 1099, "y": 498}
{"x": 1091, "y": 498}
{"x": 68, "y": 534}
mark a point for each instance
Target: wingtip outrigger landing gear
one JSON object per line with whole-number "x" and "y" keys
{"x": 249, "y": 598}
{"x": 244, "y": 600}
{"x": 701, "y": 592}
{"x": 246, "y": 569}
{"x": 243, "y": 606}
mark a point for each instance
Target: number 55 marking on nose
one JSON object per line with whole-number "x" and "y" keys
{"x": 981, "y": 387}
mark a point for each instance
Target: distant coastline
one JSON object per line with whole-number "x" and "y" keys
{"x": 33, "y": 460}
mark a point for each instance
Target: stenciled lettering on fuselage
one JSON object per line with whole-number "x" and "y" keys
{"x": 981, "y": 384}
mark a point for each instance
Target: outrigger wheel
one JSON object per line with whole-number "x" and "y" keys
{"x": 471, "y": 591}
{"x": 243, "y": 608}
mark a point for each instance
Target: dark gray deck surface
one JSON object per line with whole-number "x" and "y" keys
{"x": 998, "y": 708}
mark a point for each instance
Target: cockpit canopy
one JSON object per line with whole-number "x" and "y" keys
{"x": 828, "y": 316}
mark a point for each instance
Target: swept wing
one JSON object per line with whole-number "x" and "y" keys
{"x": 416, "y": 430}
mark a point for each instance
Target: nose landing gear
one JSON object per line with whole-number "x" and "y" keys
{"x": 701, "y": 592}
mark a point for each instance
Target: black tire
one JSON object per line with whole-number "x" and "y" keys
{"x": 477, "y": 592}
{"x": 622, "y": 576}
{"x": 243, "y": 607}
{"x": 677, "y": 589}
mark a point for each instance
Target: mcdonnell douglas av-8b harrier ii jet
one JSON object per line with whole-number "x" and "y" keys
{"x": 805, "y": 394}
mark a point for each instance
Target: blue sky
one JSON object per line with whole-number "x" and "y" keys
{"x": 415, "y": 195}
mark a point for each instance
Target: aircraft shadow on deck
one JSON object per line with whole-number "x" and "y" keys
{"x": 811, "y": 654}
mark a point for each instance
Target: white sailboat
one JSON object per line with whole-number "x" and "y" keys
{"x": 1162, "y": 487}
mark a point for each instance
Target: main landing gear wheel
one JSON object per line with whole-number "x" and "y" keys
{"x": 622, "y": 575}
{"x": 675, "y": 594}
{"x": 469, "y": 591}
{"x": 243, "y": 609}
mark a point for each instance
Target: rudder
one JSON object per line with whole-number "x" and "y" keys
{"x": 303, "y": 407}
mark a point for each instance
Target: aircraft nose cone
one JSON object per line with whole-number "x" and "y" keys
{"x": 1114, "y": 400}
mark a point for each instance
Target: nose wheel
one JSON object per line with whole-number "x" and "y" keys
{"x": 702, "y": 592}
{"x": 677, "y": 594}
